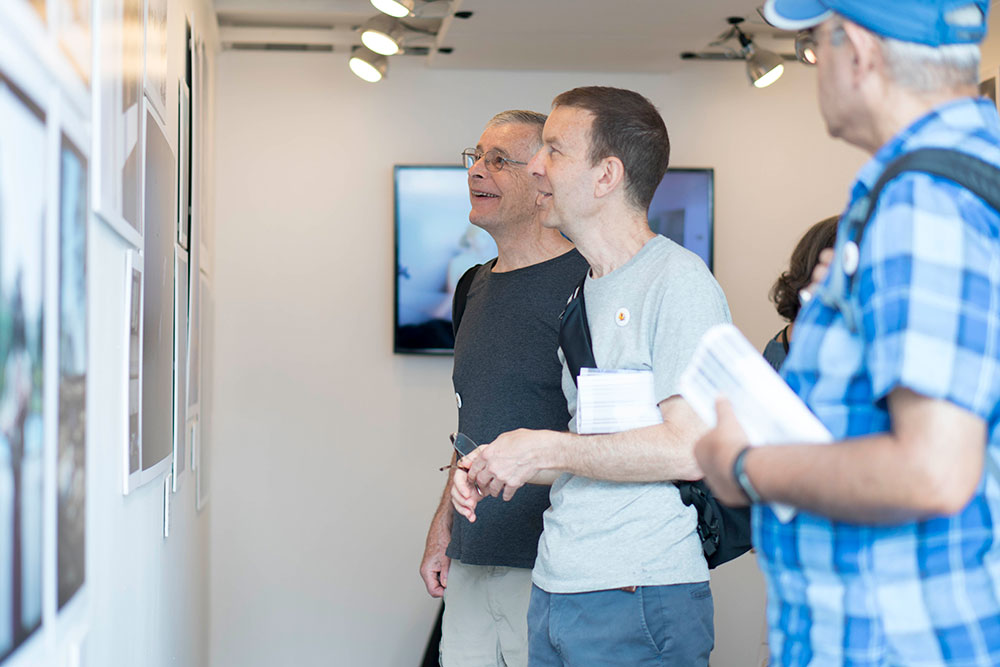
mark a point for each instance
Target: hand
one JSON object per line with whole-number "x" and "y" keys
{"x": 464, "y": 494}
{"x": 434, "y": 565}
{"x": 507, "y": 463}
{"x": 716, "y": 452}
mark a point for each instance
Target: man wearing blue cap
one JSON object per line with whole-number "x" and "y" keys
{"x": 892, "y": 557}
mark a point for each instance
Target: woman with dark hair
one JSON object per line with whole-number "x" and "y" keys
{"x": 785, "y": 291}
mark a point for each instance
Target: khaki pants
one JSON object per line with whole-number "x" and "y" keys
{"x": 485, "y": 616}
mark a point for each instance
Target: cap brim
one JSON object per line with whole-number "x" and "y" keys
{"x": 794, "y": 15}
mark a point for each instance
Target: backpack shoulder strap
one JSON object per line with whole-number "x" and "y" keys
{"x": 975, "y": 175}
{"x": 461, "y": 295}
{"x": 574, "y": 333}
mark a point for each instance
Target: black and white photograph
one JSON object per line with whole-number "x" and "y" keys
{"x": 133, "y": 372}
{"x": 160, "y": 201}
{"x": 156, "y": 55}
{"x": 180, "y": 430}
{"x": 22, "y": 436}
{"x": 71, "y": 452}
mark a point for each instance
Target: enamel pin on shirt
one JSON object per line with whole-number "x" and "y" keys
{"x": 622, "y": 317}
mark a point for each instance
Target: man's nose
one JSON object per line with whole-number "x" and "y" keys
{"x": 535, "y": 164}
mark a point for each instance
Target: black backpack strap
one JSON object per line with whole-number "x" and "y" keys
{"x": 461, "y": 295}
{"x": 574, "y": 333}
{"x": 975, "y": 175}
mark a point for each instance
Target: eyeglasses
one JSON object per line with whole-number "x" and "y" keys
{"x": 493, "y": 160}
{"x": 463, "y": 445}
{"x": 805, "y": 47}
{"x": 806, "y": 43}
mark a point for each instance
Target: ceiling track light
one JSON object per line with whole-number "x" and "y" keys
{"x": 395, "y": 8}
{"x": 401, "y": 9}
{"x": 382, "y": 34}
{"x": 368, "y": 65}
{"x": 763, "y": 67}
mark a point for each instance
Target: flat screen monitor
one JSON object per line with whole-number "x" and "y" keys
{"x": 436, "y": 244}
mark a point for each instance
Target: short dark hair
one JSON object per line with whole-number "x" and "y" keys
{"x": 785, "y": 291}
{"x": 626, "y": 126}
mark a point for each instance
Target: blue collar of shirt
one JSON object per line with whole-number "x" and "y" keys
{"x": 949, "y": 119}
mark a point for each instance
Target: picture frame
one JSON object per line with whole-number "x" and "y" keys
{"x": 72, "y": 321}
{"x": 183, "y": 165}
{"x": 203, "y": 440}
{"x": 155, "y": 57}
{"x": 158, "y": 211}
{"x": 25, "y": 226}
{"x": 117, "y": 109}
{"x": 73, "y": 19}
{"x": 132, "y": 451}
{"x": 180, "y": 366}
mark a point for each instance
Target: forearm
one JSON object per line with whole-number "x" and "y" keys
{"x": 650, "y": 454}
{"x": 444, "y": 514}
{"x": 866, "y": 480}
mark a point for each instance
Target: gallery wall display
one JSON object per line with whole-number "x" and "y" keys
{"x": 117, "y": 89}
{"x": 71, "y": 451}
{"x": 159, "y": 203}
{"x": 204, "y": 431}
{"x": 74, "y": 34}
{"x": 156, "y": 55}
{"x": 180, "y": 319}
{"x": 23, "y": 170}
{"x": 133, "y": 371}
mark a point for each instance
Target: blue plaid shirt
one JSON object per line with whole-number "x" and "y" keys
{"x": 928, "y": 312}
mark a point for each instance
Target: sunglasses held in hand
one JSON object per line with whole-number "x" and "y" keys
{"x": 463, "y": 444}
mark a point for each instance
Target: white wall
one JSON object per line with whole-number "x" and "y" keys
{"x": 331, "y": 443}
{"x": 145, "y": 599}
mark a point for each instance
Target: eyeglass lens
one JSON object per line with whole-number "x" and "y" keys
{"x": 464, "y": 445}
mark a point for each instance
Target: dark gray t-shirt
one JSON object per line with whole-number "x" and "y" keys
{"x": 507, "y": 376}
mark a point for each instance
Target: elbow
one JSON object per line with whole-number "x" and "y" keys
{"x": 948, "y": 491}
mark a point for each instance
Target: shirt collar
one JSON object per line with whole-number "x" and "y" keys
{"x": 937, "y": 127}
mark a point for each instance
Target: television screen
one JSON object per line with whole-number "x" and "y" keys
{"x": 436, "y": 244}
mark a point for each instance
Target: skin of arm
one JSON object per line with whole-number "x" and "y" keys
{"x": 651, "y": 454}
{"x": 434, "y": 565}
{"x": 928, "y": 465}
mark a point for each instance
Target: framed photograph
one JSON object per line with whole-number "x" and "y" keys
{"x": 183, "y": 164}
{"x": 72, "y": 321}
{"x": 180, "y": 430}
{"x": 133, "y": 371}
{"x": 159, "y": 223}
{"x": 73, "y": 30}
{"x": 116, "y": 181}
{"x": 203, "y": 439}
{"x": 156, "y": 56}
{"x": 23, "y": 178}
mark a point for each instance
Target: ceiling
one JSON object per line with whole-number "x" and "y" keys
{"x": 560, "y": 35}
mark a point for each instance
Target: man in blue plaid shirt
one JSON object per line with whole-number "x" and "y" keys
{"x": 893, "y": 556}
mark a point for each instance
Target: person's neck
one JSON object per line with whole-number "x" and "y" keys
{"x": 609, "y": 240}
{"x": 900, "y": 108}
{"x": 528, "y": 245}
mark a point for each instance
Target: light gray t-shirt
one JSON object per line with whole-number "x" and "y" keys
{"x": 602, "y": 535}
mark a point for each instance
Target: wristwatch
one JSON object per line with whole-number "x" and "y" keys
{"x": 741, "y": 477}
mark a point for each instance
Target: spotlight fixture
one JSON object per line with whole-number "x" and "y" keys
{"x": 368, "y": 65}
{"x": 395, "y": 8}
{"x": 763, "y": 67}
{"x": 382, "y": 34}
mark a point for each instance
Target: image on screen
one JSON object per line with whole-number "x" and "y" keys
{"x": 436, "y": 244}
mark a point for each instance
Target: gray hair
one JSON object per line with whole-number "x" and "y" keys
{"x": 925, "y": 69}
{"x": 520, "y": 117}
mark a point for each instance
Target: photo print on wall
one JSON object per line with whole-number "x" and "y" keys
{"x": 22, "y": 222}
{"x": 71, "y": 452}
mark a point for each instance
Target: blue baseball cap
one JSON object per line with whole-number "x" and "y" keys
{"x": 921, "y": 21}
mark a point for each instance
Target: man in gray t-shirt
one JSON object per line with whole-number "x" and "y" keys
{"x": 620, "y": 577}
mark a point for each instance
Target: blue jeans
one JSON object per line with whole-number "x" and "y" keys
{"x": 655, "y": 625}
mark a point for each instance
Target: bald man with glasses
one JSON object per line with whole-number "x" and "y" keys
{"x": 506, "y": 376}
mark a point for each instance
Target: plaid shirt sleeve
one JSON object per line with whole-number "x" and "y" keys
{"x": 929, "y": 294}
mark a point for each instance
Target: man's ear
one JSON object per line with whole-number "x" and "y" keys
{"x": 611, "y": 176}
{"x": 865, "y": 50}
